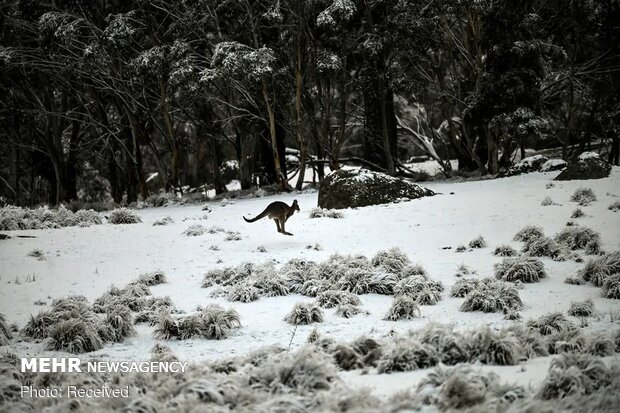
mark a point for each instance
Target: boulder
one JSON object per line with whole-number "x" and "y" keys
{"x": 588, "y": 166}
{"x": 358, "y": 188}
{"x": 525, "y": 165}
{"x": 553, "y": 165}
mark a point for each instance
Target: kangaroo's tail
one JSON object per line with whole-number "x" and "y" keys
{"x": 256, "y": 218}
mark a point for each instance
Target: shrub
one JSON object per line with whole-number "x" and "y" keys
{"x": 213, "y": 322}
{"x": 163, "y": 221}
{"x": 407, "y": 355}
{"x": 492, "y": 296}
{"x": 325, "y": 213}
{"x": 348, "y": 310}
{"x": 334, "y": 298}
{"x": 547, "y": 201}
{"x": 579, "y": 238}
{"x": 583, "y": 196}
{"x": 524, "y": 269}
{"x": 393, "y": 260}
{"x": 478, "y": 242}
{"x": 598, "y": 269}
{"x": 304, "y": 313}
{"x": 403, "y": 308}
{"x": 123, "y": 216}
{"x": 74, "y": 336}
{"x": 244, "y": 293}
{"x": 577, "y": 213}
{"x": 582, "y": 308}
{"x": 194, "y": 230}
{"x": 5, "y": 332}
{"x": 505, "y": 251}
{"x": 611, "y": 287}
{"x": 529, "y": 233}
{"x": 615, "y": 206}
{"x": 549, "y": 323}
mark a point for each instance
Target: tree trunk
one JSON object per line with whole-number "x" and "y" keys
{"x": 280, "y": 177}
{"x": 492, "y": 150}
{"x": 299, "y": 129}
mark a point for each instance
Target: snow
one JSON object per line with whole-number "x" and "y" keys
{"x": 552, "y": 163}
{"x": 89, "y": 260}
{"x": 529, "y": 161}
{"x": 588, "y": 155}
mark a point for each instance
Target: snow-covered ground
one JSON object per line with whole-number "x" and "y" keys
{"x": 88, "y": 261}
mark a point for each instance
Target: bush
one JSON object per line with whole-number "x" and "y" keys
{"x": 403, "y": 308}
{"x": 407, "y": 355}
{"x": 547, "y": 201}
{"x": 5, "y": 332}
{"x": 478, "y": 242}
{"x": 325, "y": 213}
{"x": 304, "y": 313}
{"x": 348, "y": 310}
{"x": 582, "y": 308}
{"x": 550, "y": 323}
{"x": 334, "y": 298}
{"x": 611, "y": 287}
{"x": 163, "y": 221}
{"x": 615, "y": 206}
{"x": 123, "y": 216}
{"x": 597, "y": 270}
{"x": 577, "y": 213}
{"x": 505, "y": 251}
{"x": 529, "y": 233}
{"x": 194, "y": 230}
{"x": 213, "y": 323}
{"x": 579, "y": 238}
{"x": 583, "y": 196}
{"x": 524, "y": 269}
{"x": 393, "y": 260}
{"x": 492, "y": 296}
{"x": 74, "y": 336}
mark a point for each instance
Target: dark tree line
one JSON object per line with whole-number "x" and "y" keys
{"x": 112, "y": 92}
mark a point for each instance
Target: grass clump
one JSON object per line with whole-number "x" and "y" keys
{"x": 460, "y": 248}
{"x": 615, "y": 206}
{"x": 547, "y": 201}
{"x": 334, "y": 298}
{"x": 5, "y": 331}
{"x": 304, "y": 313}
{"x": 597, "y": 270}
{"x": 524, "y": 269}
{"x": 494, "y": 348}
{"x": 579, "y": 238}
{"x": 123, "y": 216}
{"x": 529, "y": 233}
{"x": 577, "y": 213}
{"x": 463, "y": 287}
{"x": 74, "y": 336}
{"x": 582, "y": 308}
{"x": 492, "y": 296}
{"x": 243, "y": 293}
{"x": 38, "y": 254}
{"x": 403, "y": 308}
{"x": 194, "y": 230}
{"x": 574, "y": 280}
{"x": 477, "y": 242}
{"x": 348, "y": 310}
{"x": 574, "y": 374}
{"x": 407, "y": 355}
{"x": 163, "y": 221}
{"x": 550, "y": 323}
{"x": 14, "y": 218}
{"x": 583, "y": 196}
{"x": 420, "y": 289}
{"x": 325, "y": 213}
{"x": 393, "y": 260}
{"x": 504, "y": 251}
{"x": 611, "y": 287}
{"x": 213, "y": 323}
{"x": 150, "y": 279}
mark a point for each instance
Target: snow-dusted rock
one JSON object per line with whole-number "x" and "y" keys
{"x": 356, "y": 188}
{"x": 525, "y": 165}
{"x": 553, "y": 165}
{"x": 229, "y": 171}
{"x": 588, "y": 166}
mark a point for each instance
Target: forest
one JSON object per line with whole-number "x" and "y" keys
{"x": 116, "y": 100}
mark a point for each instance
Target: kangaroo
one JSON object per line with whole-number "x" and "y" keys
{"x": 279, "y": 212}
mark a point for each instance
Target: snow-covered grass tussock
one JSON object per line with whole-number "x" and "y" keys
{"x": 14, "y": 218}
{"x": 478, "y": 242}
{"x": 244, "y": 293}
{"x": 304, "y": 313}
{"x": 523, "y": 268}
{"x": 547, "y": 201}
{"x": 577, "y": 213}
{"x": 582, "y": 308}
{"x": 463, "y": 287}
{"x": 325, "y": 213}
{"x": 194, "y": 230}
{"x": 583, "y": 196}
{"x": 163, "y": 221}
{"x": 611, "y": 287}
{"x": 574, "y": 375}
{"x": 529, "y": 233}
{"x": 490, "y": 347}
{"x": 150, "y": 279}
{"x": 597, "y": 270}
{"x": 123, "y": 216}
{"x": 348, "y": 310}
{"x": 579, "y": 238}
{"x": 334, "y": 298}
{"x": 614, "y": 206}
{"x": 550, "y": 323}
{"x": 133, "y": 296}
{"x": 449, "y": 343}
{"x": 420, "y": 289}
{"x": 407, "y": 354}
{"x": 492, "y": 296}
{"x": 504, "y": 251}
{"x": 37, "y": 254}
{"x": 5, "y": 331}
{"x": 403, "y": 308}
{"x": 212, "y": 322}
{"x": 392, "y": 260}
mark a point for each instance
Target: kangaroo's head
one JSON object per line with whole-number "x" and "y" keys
{"x": 295, "y": 205}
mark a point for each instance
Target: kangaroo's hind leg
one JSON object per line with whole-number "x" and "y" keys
{"x": 277, "y": 224}
{"x": 283, "y": 230}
